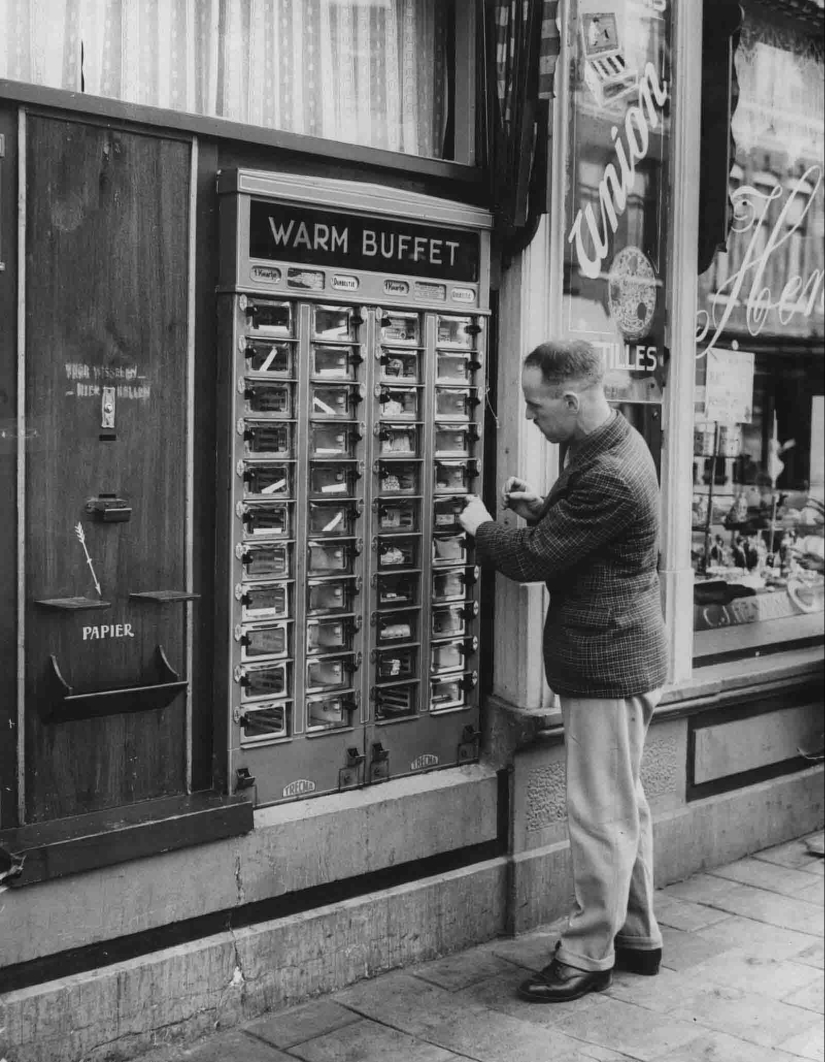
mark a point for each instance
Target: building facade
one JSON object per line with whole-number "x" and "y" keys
{"x": 267, "y": 275}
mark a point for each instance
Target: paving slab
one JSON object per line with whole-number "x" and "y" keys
{"x": 765, "y": 875}
{"x": 367, "y": 1041}
{"x": 790, "y": 854}
{"x": 812, "y": 956}
{"x": 812, "y": 997}
{"x": 294, "y": 1026}
{"x": 763, "y": 974}
{"x": 808, "y": 1044}
{"x": 496, "y": 1037}
{"x": 708, "y": 889}
{"x": 746, "y": 1015}
{"x": 719, "y": 1047}
{"x": 634, "y": 1031}
{"x": 783, "y": 911}
{"x": 681, "y": 950}
{"x": 755, "y": 903}
{"x": 683, "y": 914}
{"x": 761, "y": 938}
{"x": 660, "y": 993}
{"x": 459, "y": 971}
{"x": 405, "y": 1002}
{"x": 234, "y": 1046}
{"x": 814, "y": 893}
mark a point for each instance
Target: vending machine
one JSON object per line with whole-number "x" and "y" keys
{"x": 353, "y": 323}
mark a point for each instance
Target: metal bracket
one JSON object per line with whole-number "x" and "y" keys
{"x": 350, "y": 774}
{"x": 243, "y": 779}
{"x": 468, "y": 746}
{"x": 379, "y": 763}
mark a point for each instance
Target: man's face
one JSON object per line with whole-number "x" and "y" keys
{"x": 555, "y": 417}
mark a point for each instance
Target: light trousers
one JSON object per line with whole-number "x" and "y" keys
{"x": 609, "y": 823}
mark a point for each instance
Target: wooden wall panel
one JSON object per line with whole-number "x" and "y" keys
{"x": 106, "y": 305}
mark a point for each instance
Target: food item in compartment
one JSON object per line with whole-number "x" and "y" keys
{"x": 395, "y": 631}
{"x": 391, "y": 555}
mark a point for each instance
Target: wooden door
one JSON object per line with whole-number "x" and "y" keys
{"x": 106, "y": 368}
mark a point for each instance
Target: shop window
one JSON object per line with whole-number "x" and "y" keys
{"x": 367, "y": 72}
{"x": 758, "y": 486}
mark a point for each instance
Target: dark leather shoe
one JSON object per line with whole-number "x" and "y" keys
{"x": 558, "y": 983}
{"x": 634, "y": 960}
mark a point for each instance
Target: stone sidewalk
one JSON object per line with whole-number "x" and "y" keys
{"x": 742, "y": 982}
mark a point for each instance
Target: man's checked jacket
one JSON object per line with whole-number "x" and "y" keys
{"x": 595, "y": 545}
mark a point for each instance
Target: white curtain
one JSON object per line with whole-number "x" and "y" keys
{"x": 370, "y": 72}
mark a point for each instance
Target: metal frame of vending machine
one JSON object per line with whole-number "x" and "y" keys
{"x": 352, "y": 324}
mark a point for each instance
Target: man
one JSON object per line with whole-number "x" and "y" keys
{"x": 593, "y": 541}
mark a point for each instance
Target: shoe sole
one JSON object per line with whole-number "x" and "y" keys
{"x": 567, "y": 999}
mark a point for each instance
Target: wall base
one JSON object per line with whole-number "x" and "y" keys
{"x": 174, "y": 996}
{"x": 688, "y": 839}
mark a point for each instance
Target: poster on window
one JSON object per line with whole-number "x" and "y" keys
{"x": 616, "y": 217}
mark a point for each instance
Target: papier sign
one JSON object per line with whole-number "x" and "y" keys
{"x": 729, "y": 387}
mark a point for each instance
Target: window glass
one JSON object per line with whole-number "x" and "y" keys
{"x": 371, "y": 72}
{"x": 757, "y": 540}
{"x": 616, "y": 203}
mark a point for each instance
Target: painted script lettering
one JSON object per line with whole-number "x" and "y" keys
{"x": 619, "y": 176}
{"x": 798, "y": 295}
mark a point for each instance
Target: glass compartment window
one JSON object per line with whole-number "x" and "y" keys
{"x": 329, "y": 713}
{"x": 265, "y": 722}
{"x": 273, "y": 359}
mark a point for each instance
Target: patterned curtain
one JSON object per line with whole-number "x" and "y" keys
{"x": 526, "y": 40}
{"x": 371, "y": 72}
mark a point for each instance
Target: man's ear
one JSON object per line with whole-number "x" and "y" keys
{"x": 571, "y": 401}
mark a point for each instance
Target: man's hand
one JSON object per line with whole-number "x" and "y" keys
{"x": 474, "y": 513}
{"x": 521, "y": 498}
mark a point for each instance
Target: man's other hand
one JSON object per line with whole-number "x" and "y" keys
{"x": 474, "y": 513}
{"x": 518, "y": 496}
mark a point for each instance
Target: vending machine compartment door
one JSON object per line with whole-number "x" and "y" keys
{"x": 333, "y": 518}
{"x": 263, "y": 640}
{"x": 400, "y": 366}
{"x": 263, "y": 680}
{"x": 331, "y": 596}
{"x": 268, "y": 359}
{"x": 264, "y": 723}
{"x": 265, "y": 561}
{"x": 264, "y": 396}
{"x": 265, "y": 520}
{"x": 335, "y": 712}
{"x": 267, "y": 438}
{"x": 398, "y": 477}
{"x": 267, "y": 317}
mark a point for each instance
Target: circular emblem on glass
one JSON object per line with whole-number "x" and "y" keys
{"x": 631, "y": 292}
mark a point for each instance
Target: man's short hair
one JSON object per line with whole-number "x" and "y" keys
{"x": 565, "y": 362}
